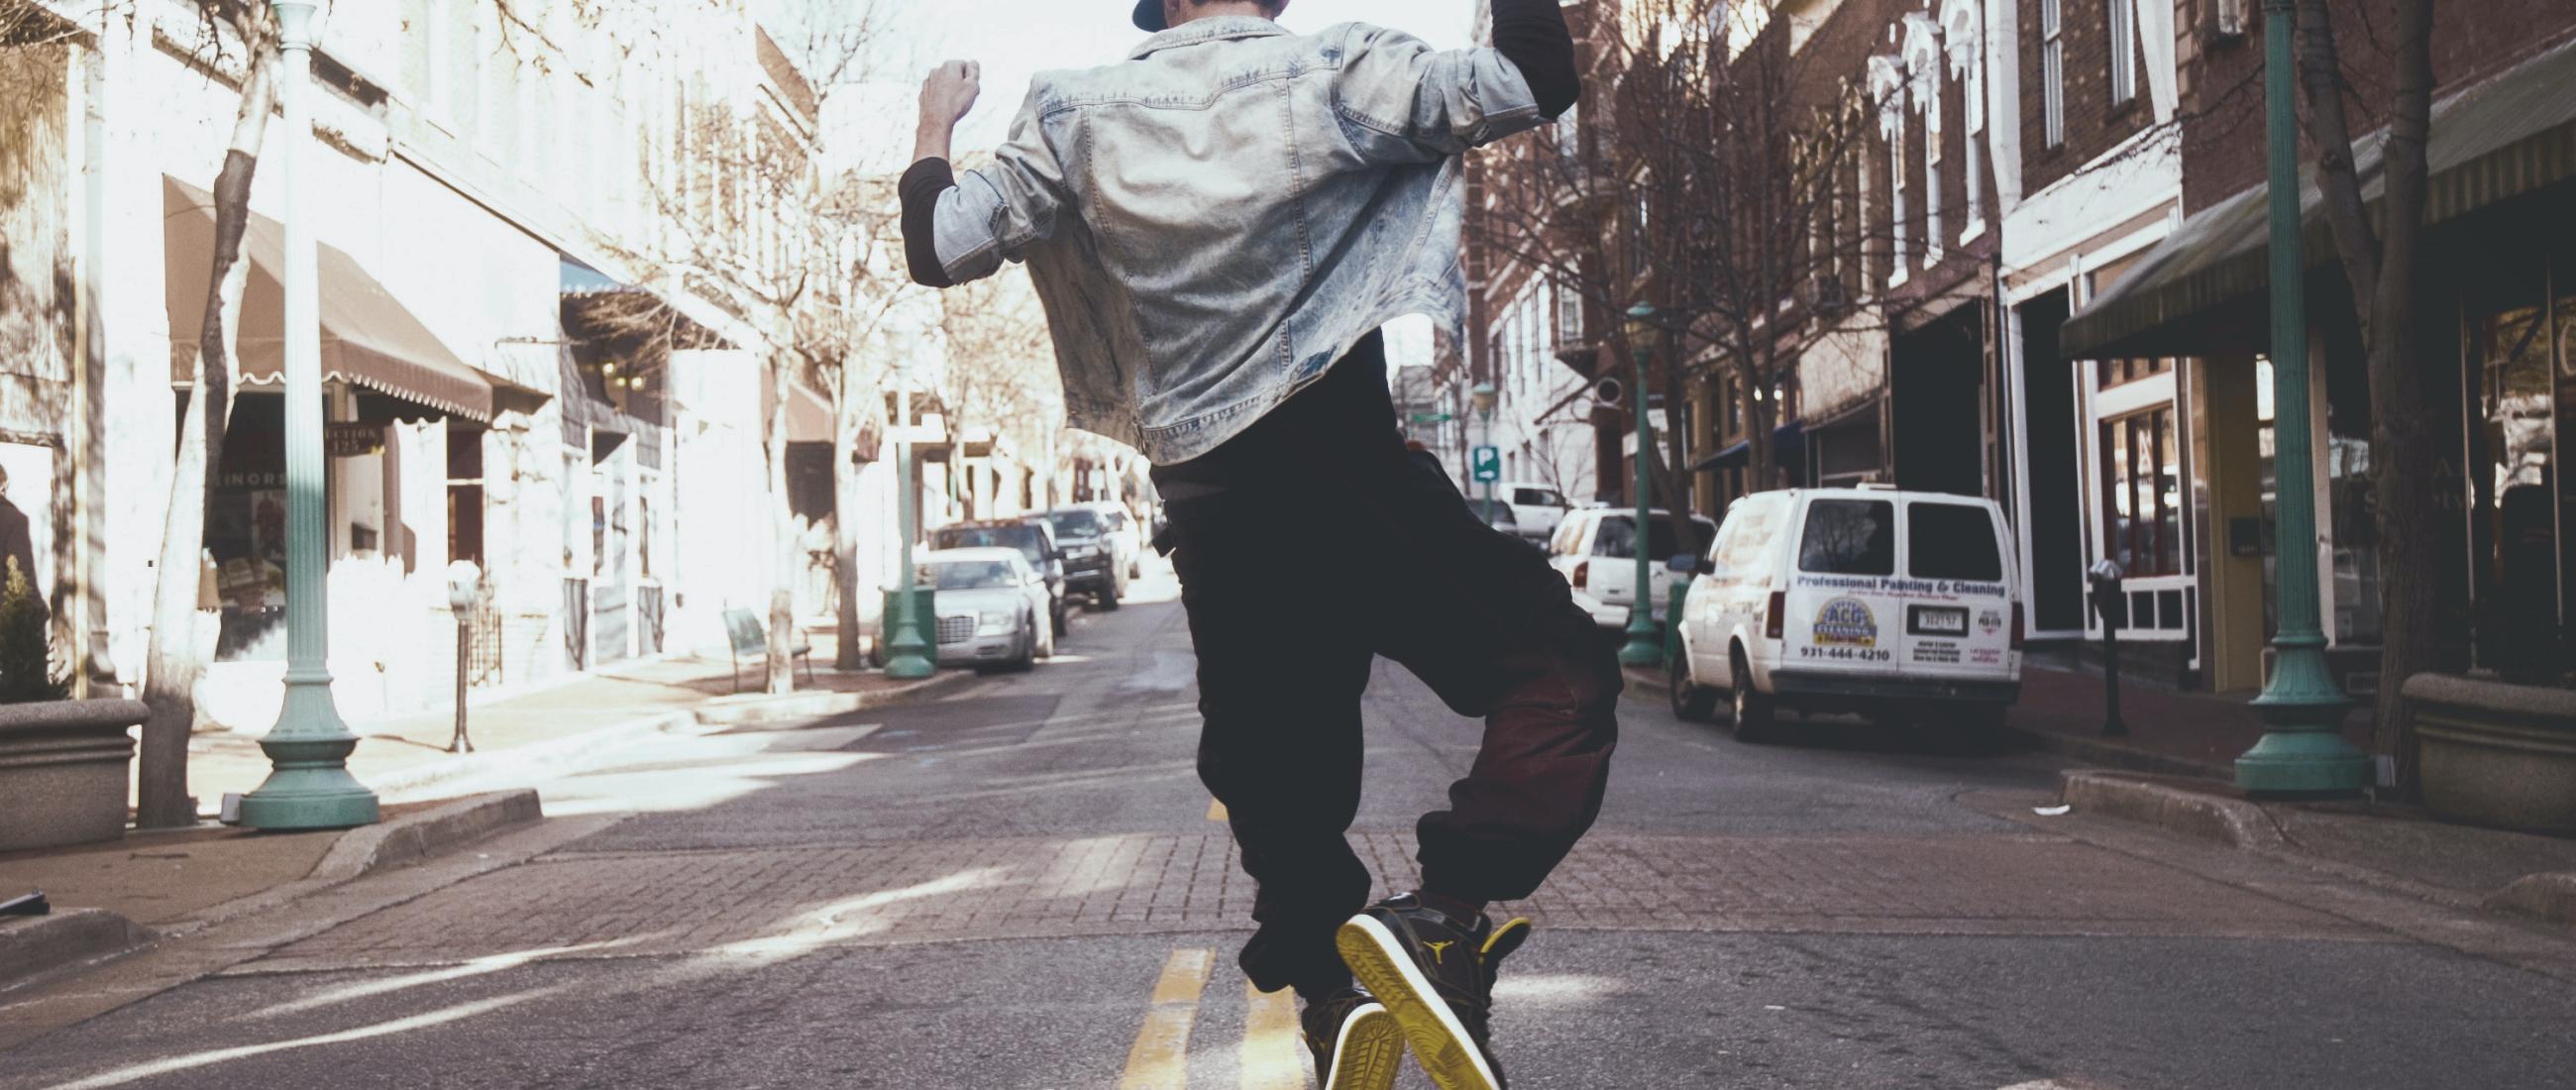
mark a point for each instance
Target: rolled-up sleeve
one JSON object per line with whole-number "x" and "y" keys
{"x": 1401, "y": 100}
{"x": 993, "y": 213}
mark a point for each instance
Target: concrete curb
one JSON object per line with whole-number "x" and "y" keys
{"x": 2551, "y": 897}
{"x": 37, "y": 946}
{"x": 764, "y": 710}
{"x": 2233, "y": 822}
{"x": 368, "y": 849}
{"x": 2112, "y": 754}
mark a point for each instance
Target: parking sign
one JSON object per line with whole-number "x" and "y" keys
{"x": 1487, "y": 464}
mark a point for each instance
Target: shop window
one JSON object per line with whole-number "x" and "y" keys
{"x": 2142, "y": 494}
{"x": 2514, "y": 480}
{"x": 2123, "y": 372}
{"x": 465, "y": 493}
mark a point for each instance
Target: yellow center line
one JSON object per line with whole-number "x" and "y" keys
{"x": 1270, "y": 1045}
{"x": 1160, "y": 1059}
{"x": 1216, "y": 810}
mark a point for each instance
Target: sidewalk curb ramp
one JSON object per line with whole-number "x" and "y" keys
{"x": 2233, "y": 822}
{"x": 761, "y": 710}
{"x": 33, "y": 947}
{"x": 36, "y": 947}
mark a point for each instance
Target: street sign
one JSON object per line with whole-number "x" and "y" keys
{"x": 1487, "y": 464}
{"x": 1432, "y": 418}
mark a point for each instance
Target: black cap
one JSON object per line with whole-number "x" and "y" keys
{"x": 1149, "y": 16}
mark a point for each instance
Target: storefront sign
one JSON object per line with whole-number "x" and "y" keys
{"x": 353, "y": 440}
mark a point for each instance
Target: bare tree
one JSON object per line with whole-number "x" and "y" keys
{"x": 1001, "y": 363}
{"x": 2380, "y": 259}
{"x": 172, "y": 661}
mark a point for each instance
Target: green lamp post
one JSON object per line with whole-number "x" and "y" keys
{"x": 2302, "y": 751}
{"x": 908, "y": 655}
{"x": 308, "y": 785}
{"x": 1645, "y": 645}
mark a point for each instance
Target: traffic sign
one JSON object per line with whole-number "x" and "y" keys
{"x": 1432, "y": 418}
{"x": 1487, "y": 464}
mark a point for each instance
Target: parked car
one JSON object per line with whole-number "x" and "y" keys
{"x": 1090, "y": 562}
{"x": 1896, "y": 605}
{"x": 1496, "y": 514}
{"x": 1035, "y": 541}
{"x": 1538, "y": 508}
{"x": 991, "y": 607}
{"x": 1595, "y": 549}
{"x": 1126, "y": 541}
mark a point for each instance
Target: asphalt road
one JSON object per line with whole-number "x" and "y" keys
{"x": 1025, "y": 887}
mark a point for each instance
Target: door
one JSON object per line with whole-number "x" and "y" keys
{"x": 1956, "y": 600}
{"x": 1842, "y": 613}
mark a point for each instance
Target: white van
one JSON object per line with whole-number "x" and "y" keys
{"x": 1896, "y": 605}
{"x": 1595, "y": 549}
{"x": 1537, "y": 509}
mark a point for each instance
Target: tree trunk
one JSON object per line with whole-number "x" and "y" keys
{"x": 846, "y": 506}
{"x": 782, "y": 584}
{"x": 171, "y": 662}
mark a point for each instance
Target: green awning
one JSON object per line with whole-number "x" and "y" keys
{"x": 2505, "y": 137}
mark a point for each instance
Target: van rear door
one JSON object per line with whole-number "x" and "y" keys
{"x": 1956, "y": 597}
{"x": 1840, "y": 614}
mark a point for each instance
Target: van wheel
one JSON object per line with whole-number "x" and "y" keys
{"x": 1692, "y": 702}
{"x": 1108, "y": 600}
{"x": 1753, "y": 719}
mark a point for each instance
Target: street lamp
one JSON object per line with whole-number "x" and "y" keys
{"x": 2302, "y": 750}
{"x": 907, "y": 654}
{"x": 1482, "y": 398}
{"x": 309, "y": 785}
{"x": 1645, "y": 645}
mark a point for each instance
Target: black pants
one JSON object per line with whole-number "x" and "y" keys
{"x": 1309, "y": 545}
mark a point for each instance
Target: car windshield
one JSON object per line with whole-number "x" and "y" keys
{"x": 1618, "y": 537}
{"x": 1022, "y": 538}
{"x": 1076, "y": 523}
{"x": 1493, "y": 511}
{"x": 1952, "y": 541}
{"x": 1537, "y": 497}
{"x": 971, "y": 575}
{"x": 1849, "y": 537}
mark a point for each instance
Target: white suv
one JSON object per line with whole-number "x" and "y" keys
{"x": 1595, "y": 549}
{"x": 1896, "y": 605}
{"x": 1537, "y": 509}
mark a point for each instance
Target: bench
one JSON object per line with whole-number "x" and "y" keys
{"x": 748, "y": 639}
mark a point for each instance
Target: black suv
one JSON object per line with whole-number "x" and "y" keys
{"x": 1090, "y": 565}
{"x": 1033, "y": 537}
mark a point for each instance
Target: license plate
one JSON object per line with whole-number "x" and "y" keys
{"x": 1936, "y": 621}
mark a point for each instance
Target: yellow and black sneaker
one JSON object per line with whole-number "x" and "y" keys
{"x": 1435, "y": 975}
{"x": 1355, "y": 1042}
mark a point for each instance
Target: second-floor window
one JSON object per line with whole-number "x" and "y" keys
{"x": 2124, "y": 51}
{"x": 1640, "y": 228}
{"x": 1569, "y": 315}
{"x": 2052, "y": 73}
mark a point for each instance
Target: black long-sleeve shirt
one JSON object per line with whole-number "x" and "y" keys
{"x": 1531, "y": 34}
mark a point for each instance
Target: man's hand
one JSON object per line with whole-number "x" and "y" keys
{"x": 945, "y": 97}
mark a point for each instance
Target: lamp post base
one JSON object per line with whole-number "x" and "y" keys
{"x": 2302, "y": 751}
{"x": 1645, "y": 646}
{"x": 908, "y": 655}
{"x": 310, "y": 786}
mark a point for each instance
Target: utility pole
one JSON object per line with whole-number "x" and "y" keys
{"x": 309, "y": 785}
{"x": 2302, "y": 751}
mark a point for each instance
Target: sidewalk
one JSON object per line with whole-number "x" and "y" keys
{"x": 2170, "y": 732}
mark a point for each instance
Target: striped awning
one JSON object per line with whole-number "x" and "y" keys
{"x": 2508, "y": 136}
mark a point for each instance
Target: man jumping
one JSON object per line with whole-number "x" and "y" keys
{"x": 1217, "y": 227}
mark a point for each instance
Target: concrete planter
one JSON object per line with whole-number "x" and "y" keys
{"x": 63, "y": 771}
{"x": 2496, "y": 753}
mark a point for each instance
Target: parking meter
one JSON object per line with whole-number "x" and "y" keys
{"x": 464, "y": 590}
{"x": 2112, "y": 605}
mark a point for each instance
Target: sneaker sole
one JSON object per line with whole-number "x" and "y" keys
{"x": 1440, "y": 1042}
{"x": 1370, "y": 1048}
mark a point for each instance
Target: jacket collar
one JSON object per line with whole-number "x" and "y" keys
{"x": 1213, "y": 28}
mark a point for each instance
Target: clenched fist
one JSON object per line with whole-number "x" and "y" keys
{"x": 950, "y": 92}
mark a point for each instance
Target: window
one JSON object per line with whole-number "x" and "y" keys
{"x": 1537, "y": 497}
{"x": 2124, "y": 51}
{"x": 2052, "y": 73}
{"x": 2122, "y": 372}
{"x": 464, "y": 492}
{"x": 1952, "y": 541}
{"x": 1569, "y": 315}
{"x": 2142, "y": 493}
{"x": 1639, "y": 226}
{"x": 1849, "y": 537}
{"x": 1618, "y": 537}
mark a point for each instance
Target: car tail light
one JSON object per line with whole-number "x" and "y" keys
{"x": 1583, "y": 575}
{"x": 2017, "y": 629}
{"x": 1778, "y": 621}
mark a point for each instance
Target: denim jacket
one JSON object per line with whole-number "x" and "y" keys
{"x": 1215, "y": 221}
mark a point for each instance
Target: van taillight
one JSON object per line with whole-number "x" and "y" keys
{"x": 1778, "y": 621}
{"x": 1582, "y": 575}
{"x": 2017, "y": 629}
